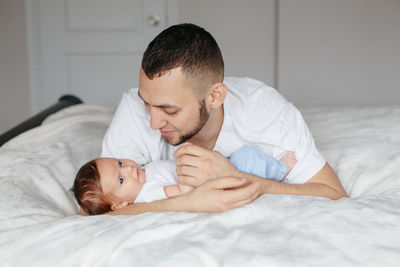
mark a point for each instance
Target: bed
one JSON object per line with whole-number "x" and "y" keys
{"x": 40, "y": 225}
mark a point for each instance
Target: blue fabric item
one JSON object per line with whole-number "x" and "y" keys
{"x": 256, "y": 162}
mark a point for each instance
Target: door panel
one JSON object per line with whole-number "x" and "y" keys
{"x": 92, "y": 48}
{"x": 92, "y": 77}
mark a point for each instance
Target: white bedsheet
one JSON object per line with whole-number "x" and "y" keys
{"x": 39, "y": 225}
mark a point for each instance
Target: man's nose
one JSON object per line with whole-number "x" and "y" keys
{"x": 157, "y": 120}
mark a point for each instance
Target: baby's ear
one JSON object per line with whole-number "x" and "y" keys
{"x": 119, "y": 205}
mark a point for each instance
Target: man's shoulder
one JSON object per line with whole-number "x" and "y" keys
{"x": 130, "y": 109}
{"x": 131, "y": 98}
{"x": 252, "y": 98}
{"x": 129, "y": 134}
{"x": 246, "y": 85}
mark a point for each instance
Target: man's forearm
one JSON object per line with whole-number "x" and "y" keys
{"x": 314, "y": 187}
{"x": 216, "y": 195}
{"x": 307, "y": 189}
{"x": 170, "y": 204}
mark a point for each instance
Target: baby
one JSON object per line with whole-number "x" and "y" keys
{"x": 106, "y": 184}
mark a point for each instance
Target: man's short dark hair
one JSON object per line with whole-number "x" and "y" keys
{"x": 187, "y": 46}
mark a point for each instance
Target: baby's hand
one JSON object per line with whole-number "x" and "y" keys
{"x": 184, "y": 188}
{"x": 176, "y": 190}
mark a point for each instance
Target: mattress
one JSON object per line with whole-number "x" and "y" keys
{"x": 40, "y": 225}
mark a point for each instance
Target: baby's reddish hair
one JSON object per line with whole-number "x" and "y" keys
{"x": 88, "y": 192}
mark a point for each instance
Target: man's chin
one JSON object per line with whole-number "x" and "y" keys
{"x": 171, "y": 140}
{"x": 176, "y": 140}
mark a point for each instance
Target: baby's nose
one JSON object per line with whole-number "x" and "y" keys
{"x": 131, "y": 170}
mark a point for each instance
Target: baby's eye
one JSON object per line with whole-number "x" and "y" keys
{"x": 121, "y": 180}
{"x": 120, "y": 163}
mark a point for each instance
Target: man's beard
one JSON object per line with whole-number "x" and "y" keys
{"x": 203, "y": 118}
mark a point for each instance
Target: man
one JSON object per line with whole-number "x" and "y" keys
{"x": 182, "y": 98}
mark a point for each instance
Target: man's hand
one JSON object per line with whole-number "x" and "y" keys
{"x": 219, "y": 195}
{"x": 174, "y": 190}
{"x": 196, "y": 165}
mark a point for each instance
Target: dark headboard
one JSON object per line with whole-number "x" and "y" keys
{"x": 36, "y": 120}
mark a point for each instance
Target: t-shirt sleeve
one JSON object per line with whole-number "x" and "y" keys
{"x": 297, "y": 136}
{"x": 263, "y": 118}
{"x": 152, "y": 192}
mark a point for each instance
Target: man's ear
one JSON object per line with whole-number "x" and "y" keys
{"x": 216, "y": 95}
{"x": 119, "y": 205}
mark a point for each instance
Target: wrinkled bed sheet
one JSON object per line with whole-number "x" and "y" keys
{"x": 39, "y": 225}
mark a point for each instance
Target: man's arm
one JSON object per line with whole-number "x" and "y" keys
{"x": 323, "y": 184}
{"x": 213, "y": 196}
{"x": 174, "y": 190}
{"x": 195, "y": 165}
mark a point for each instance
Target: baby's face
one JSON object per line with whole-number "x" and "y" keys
{"x": 120, "y": 179}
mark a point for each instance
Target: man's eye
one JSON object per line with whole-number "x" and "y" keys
{"x": 121, "y": 180}
{"x": 120, "y": 163}
{"x": 170, "y": 112}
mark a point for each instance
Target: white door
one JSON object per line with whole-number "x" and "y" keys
{"x": 90, "y": 48}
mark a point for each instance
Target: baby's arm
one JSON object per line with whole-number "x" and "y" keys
{"x": 176, "y": 190}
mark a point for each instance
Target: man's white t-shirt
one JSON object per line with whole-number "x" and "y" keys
{"x": 254, "y": 114}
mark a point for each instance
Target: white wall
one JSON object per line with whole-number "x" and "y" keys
{"x": 244, "y": 30}
{"x": 329, "y": 51}
{"x": 14, "y": 84}
{"x": 340, "y": 52}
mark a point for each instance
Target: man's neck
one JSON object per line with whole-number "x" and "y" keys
{"x": 208, "y": 135}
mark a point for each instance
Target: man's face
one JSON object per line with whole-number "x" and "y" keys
{"x": 173, "y": 107}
